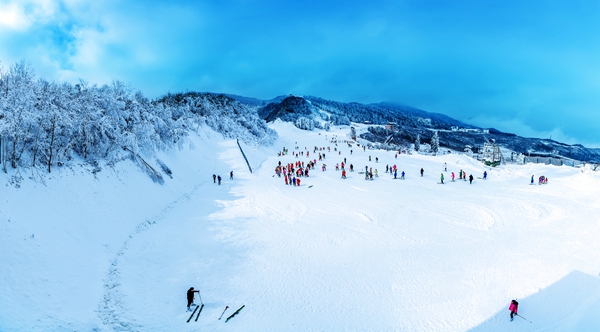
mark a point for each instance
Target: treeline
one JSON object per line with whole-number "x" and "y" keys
{"x": 48, "y": 124}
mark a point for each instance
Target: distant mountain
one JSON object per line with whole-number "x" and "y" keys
{"x": 249, "y": 101}
{"x": 310, "y": 112}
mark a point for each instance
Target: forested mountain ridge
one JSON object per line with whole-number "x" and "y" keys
{"x": 410, "y": 124}
{"x": 46, "y": 124}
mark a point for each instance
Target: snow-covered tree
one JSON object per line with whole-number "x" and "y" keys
{"x": 418, "y": 143}
{"x": 47, "y": 124}
{"x": 435, "y": 142}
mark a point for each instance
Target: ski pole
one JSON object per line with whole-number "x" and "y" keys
{"x": 200, "y": 297}
{"x": 223, "y": 312}
{"x": 524, "y": 318}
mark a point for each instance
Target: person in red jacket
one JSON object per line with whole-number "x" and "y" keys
{"x": 514, "y": 308}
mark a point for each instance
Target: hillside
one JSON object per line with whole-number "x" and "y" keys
{"x": 316, "y": 113}
{"x": 114, "y": 251}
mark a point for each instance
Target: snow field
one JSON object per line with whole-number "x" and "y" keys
{"x": 117, "y": 253}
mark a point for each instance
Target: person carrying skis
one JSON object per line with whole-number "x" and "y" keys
{"x": 514, "y": 309}
{"x": 442, "y": 178}
{"x": 190, "y": 297}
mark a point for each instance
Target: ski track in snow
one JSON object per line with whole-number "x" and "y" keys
{"x": 113, "y": 309}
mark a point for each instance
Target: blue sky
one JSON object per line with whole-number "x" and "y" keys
{"x": 527, "y": 67}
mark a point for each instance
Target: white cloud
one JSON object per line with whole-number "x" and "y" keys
{"x": 21, "y": 15}
{"x": 13, "y": 17}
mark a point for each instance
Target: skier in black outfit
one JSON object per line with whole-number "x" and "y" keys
{"x": 471, "y": 179}
{"x": 422, "y": 171}
{"x": 231, "y": 175}
{"x": 214, "y": 178}
{"x": 219, "y": 178}
{"x": 190, "y": 296}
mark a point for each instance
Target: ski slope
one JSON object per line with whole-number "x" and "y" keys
{"x": 116, "y": 252}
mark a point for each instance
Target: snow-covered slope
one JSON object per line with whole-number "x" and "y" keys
{"x": 117, "y": 252}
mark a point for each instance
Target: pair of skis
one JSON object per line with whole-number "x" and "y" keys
{"x": 198, "y": 315}
{"x": 226, "y": 307}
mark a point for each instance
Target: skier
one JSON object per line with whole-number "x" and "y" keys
{"x": 532, "y": 179}
{"x": 343, "y": 174}
{"x": 514, "y": 308}
{"x": 402, "y": 175}
{"x": 369, "y": 158}
{"x": 376, "y": 173}
{"x": 215, "y": 178}
{"x": 395, "y": 173}
{"x": 351, "y": 168}
{"x": 471, "y": 179}
{"x": 387, "y": 167}
{"x": 298, "y": 182}
{"x": 231, "y": 175}
{"x": 445, "y": 167}
{"x": 190, "y": 297}
{"x": 452, "y": 176}
{"x": 422, "y": 171}
{"x": 219, "y": 178}
{"x": 485, "y": 175}
{"x": 376, "y": 159}
{"x": 442, "y": 178}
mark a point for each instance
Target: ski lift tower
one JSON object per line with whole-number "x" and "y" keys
{"x": 491, "y": 152}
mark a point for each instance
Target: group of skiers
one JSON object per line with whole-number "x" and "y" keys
{"x": 542, "y": 180}
{"x": 293, "y": 171}
{"x": 218, "y": 177}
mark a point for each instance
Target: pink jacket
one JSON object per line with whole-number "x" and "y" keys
{"x": 513, "y": 308}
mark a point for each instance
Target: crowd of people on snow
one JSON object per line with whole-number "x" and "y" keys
{"x": 292, "y": 172}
